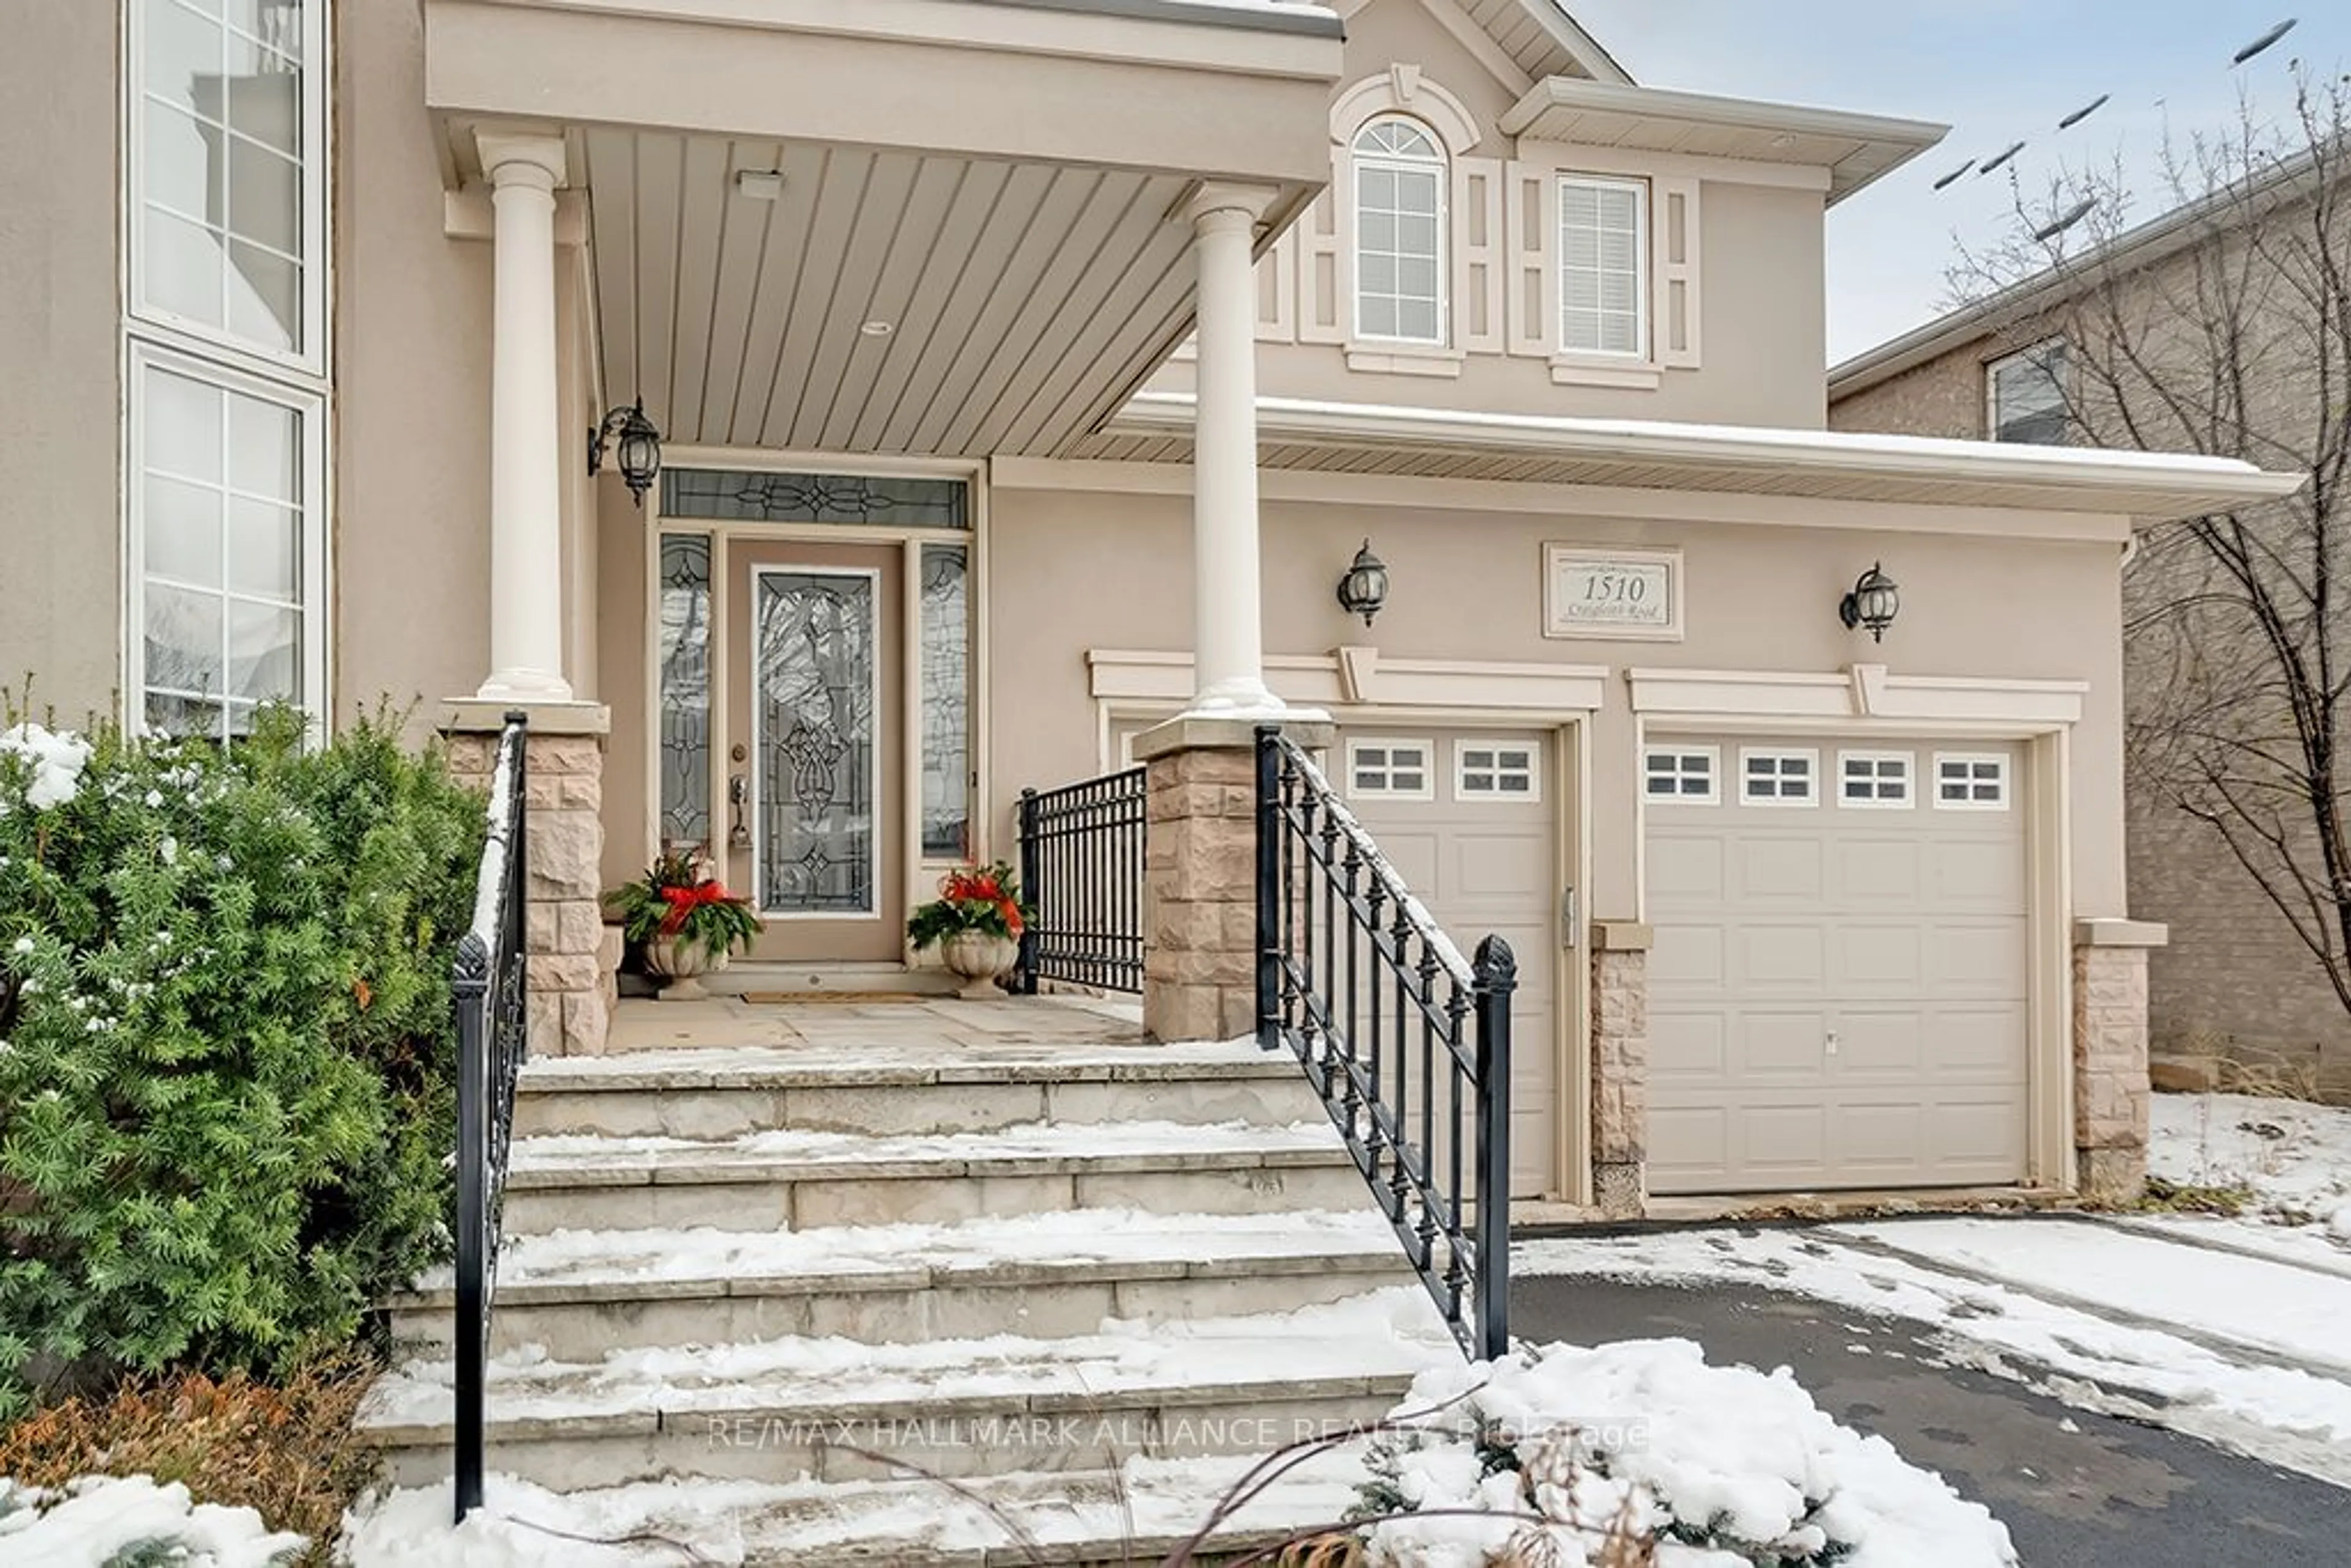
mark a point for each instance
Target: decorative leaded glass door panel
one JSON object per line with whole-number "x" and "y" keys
{"x": 817, "y": 716}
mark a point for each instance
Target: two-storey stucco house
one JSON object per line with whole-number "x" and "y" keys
{"x": 1028, "y": 372}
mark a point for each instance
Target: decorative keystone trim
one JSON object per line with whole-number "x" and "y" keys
{"x": 2110, "y": 933}
{"x": 1865, "y": 692}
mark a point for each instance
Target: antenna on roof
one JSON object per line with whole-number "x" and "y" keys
{"x": 1955, "y": 173}
{"x": 2264, "y": 41}
{"x": 1993, "y": 163}
{"x": 2052, "y": 230}
{"x": 2085, "y": 113}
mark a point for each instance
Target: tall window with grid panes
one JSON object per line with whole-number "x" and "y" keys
{"x": 224, "y": 332}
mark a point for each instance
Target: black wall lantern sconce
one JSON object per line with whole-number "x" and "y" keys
{"x": 635, "y": 443}
{"x": 1872, "y": 604}
{"x": 1364, "y": 588}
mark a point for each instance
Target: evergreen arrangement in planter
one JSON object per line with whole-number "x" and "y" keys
{"x": 975, "y": 923}
{"x": 227, "y": 1058}
{"x": 686, "y": 920}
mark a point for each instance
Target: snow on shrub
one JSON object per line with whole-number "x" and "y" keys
{"x": 1566, "y": 1458}
{"x": 226, "y": 1054}
{"x": 102, "y": 1522}
{"x": 54, "y": 760}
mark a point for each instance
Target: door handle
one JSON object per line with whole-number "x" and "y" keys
{"x": 738, "y": 789}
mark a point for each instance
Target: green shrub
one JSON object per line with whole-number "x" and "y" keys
{"x": 227, "y": 1096}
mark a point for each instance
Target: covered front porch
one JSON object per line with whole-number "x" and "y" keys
{"x": 840, "y": 296}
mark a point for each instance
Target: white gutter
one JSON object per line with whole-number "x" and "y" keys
{"x": 2061, "y": 477}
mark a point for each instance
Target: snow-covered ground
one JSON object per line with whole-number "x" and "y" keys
{"x": 2228, "y": 1329}
{"x": 95, "y": 1521}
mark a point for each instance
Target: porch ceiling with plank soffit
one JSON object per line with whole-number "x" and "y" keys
{"x": 1028, "y": 281}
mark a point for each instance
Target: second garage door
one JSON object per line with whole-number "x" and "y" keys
{"x": 1466, "y": 818}
{"x": 1838, "y": 988}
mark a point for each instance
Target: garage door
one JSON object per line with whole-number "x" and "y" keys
{"x": 1837, "y": 993}
{"x": 1466, "y": 817}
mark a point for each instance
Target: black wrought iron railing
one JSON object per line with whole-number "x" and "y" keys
{"x": 490, "y": 985}
{"x": 1081, "y": 848}
{"x": 1406, "y": 1041}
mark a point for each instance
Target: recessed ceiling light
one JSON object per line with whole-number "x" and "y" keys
{"x": 877, "y": 328}
{"x": 759, "y": 185}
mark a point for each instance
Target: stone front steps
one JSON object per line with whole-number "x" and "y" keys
{"x": 577, "y": 1293}
{"x": 828, "y": 1272}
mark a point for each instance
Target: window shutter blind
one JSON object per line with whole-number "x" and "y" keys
{"x": 1277, "y": 290}
{"x": 1479, "y": 284}
{"x": 1677, "y": 272}
{"x": 1325, "y": 283}
{"x": 1530, "y": 226}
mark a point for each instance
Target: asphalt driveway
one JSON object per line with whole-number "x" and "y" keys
{"x": 2076, "y": 1490}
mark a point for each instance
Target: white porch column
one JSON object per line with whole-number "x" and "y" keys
{"x": 1227, "y": 642}
{"x": 526, "y": 434}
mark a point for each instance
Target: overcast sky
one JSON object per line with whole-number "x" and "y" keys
{"x": 1996, "y": 71}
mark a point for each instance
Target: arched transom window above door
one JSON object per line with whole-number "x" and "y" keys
{"x": 1400, "y": 186}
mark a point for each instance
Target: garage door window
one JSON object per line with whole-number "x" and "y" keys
{"x": 1483, "y": 772}
{"x": 1779, "y": 777}
{"x": 1389, "y": 771}
{"x": 1683, "y": 775}
{"x": 1964, "y": 783}
{"x": 1872, "y": 779}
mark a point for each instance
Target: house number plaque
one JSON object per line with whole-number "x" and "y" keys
{"x": 1612, "y": 593}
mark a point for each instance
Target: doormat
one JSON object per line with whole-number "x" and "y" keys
{"x": 778, "y": 999}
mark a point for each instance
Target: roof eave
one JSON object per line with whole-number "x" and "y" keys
{"x": 2151, "y": 487}
{"x": 1889, "y": 143}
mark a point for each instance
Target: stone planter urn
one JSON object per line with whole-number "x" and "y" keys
{"x": 679, "y": 966}
{"x": 979, "y": 958}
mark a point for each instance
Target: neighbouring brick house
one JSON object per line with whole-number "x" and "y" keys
{"x": 2034, "y": 362}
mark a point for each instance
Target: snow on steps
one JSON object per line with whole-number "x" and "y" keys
{"x": 579, "y": 1292}
{"x": 1133, "y": 1515}
{"x": 843, "y": 1409}
{"x": 801, "y": 1180}
{"x": 1029, "y": 1263}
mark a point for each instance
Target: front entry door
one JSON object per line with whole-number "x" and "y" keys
{"x": 815, "y": 727}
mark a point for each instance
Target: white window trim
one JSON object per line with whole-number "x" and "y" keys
{"x": 1463, "y": 745}
{"x": 1442, "y": 164}
{"x": 1909, "y": 797}
{"x": 2007, "y": 781}
{"x": 1713, "y": 755}
{"x": 1810, "y": 757}
{"x": 1565, "y": 358}
{"x": 310, "y": 408}
{"x": 1991, "y": 380}
{"x": 1428, "y": 790}
{"x": 317, "y": 66}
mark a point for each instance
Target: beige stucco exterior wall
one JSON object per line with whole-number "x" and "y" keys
{"x": 1074, "y": 570}
{"x": 60, "y": 519}
{"x": 412, "y": 466}
{"x": 412, "y": 599}
{"x": 623, "y": 638}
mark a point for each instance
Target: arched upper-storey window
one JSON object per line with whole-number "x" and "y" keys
{"x": 1400, "y": 179}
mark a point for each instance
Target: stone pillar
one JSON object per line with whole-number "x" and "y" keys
{"x": 1227, "y": 649}
{"x": 526, "y": 425}
{"x": 1620, "y": 1067}
{"x": 564, "y": 920}
{"x": 1199, "y": 896}
{"x": 2110, "y": 1057}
